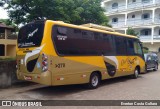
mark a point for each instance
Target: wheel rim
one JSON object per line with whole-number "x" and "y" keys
{"x": 136, "y": 73}
{"x": 95, "y": 81}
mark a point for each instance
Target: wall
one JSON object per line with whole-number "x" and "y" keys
{"x": 152, "y": 47}
{"x": 11, "y": 50}
{"x": 7, "y": 73}
{"x": 156, "y": 31}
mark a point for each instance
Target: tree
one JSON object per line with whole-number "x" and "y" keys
{"x": 131, "y": 31}
{"x": 9, "y": 22}
{"x": 70, "y": 11}
{"x": 145, "y": 50}
{"x": 1, "y": 3}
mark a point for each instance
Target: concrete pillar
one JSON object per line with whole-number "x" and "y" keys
{"x": 5, "y": 48}
{"x": 154, "y": 1}
{"x": 152, "y": 35}
{"x": 126, "y": 4}
{"x": 126, "y": 18}
{"x": 126, "y": 30}
{"x": 5, "y": 33}
{"x": 153, "y": 15}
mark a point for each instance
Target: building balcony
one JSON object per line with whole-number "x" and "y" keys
{"x": 140, "y": 4}
{"x": 9, "y": 36}
{"x": 157, "y": 20}
{"x": 2, "y": 35}
{"x": 144, "y": 38}
{"x": 118, "y": 24}
{"x": 117, "y": 9}
{"x": 12, "y": 36}
{"x": 130, "y": 6}
{"x": 156, "y": 37}
{"x": 137, "y": 22}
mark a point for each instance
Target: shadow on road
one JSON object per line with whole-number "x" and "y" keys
{"x": 61, "y": 91}
{"x": 149, "y": 71}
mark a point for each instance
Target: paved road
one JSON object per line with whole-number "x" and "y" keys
{"x": 146, "y": 87}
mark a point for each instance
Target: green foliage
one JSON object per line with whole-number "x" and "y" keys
{"x": 9, "y": 22}
{"x": 145, "y": 50}
{"x": 2, "y": 3}
{"x": 70, "y": 11}
{"x": 131, "y": 31}
{"x": 8, "y": 59}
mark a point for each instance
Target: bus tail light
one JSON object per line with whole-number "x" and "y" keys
{"x": 44, "y": 62}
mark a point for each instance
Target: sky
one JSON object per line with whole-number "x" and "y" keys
{"x": 3, "y": 14}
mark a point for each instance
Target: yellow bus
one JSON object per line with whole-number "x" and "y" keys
{"x": 57, "y": 53}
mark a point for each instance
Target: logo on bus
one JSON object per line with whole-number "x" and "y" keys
{"x": 32, "y": 33}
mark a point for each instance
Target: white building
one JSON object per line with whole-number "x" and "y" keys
{"x": 141, "y": 15}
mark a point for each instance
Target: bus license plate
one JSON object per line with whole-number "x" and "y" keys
{"x": 27, "y": 77}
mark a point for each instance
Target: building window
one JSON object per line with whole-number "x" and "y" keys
{"x": 146, "y": 32}
{"x": 114, "y": 20}
{"x": 114, "y": 5}
{"x": 145, "y": 1}
{"x": 2, "y": 50}
{"x": 133, "y": 1}
{"x": 121, "y": 46}
{"x": 159, "y": 49}
{"x": 146, "y": 16}
{"x": 159, "y": 32}
{"x": 133, "y": 16}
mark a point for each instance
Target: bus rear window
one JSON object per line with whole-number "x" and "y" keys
{"x": 31, "y": 35}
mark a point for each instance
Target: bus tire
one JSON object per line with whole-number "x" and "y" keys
{"x": 94, "y": 81}
{"x": 136, "y": 73}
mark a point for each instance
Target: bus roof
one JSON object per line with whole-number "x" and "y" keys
{"x": 61, "y": 23}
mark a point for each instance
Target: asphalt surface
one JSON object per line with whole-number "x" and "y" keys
{"x": 145, "y": 87}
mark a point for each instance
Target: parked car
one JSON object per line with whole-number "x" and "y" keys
{"x": 151, "y": 60}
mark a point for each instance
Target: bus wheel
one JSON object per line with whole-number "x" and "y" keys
{"x": 94, "y": 81}
{"x": 136, "y": 73}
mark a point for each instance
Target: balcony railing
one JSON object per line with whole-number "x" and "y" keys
{"x": 12, "y": 36}
{"x": 2, "y": 35}
{"x": 118, "y": 24}
{"x": 137, "y": 22}
{"x": 145, "y": 38}
{"x": 156, "y": 37}
{"x": 157, "y": 20}
{"x": 116, "y": 9}
{"x": 140, "y": 4}
{"x": 149, "y": 38}
{"x": 135, "y": 5}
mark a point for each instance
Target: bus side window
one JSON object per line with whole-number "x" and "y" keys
{"x": 121, "y": 46}
{"x": 137, "y": 48}
{"x": 130, "y": 47}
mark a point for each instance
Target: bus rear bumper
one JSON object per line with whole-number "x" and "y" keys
{"x": 42, "y": 78}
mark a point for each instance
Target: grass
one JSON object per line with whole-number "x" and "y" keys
{"x": 8, "y": 59}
